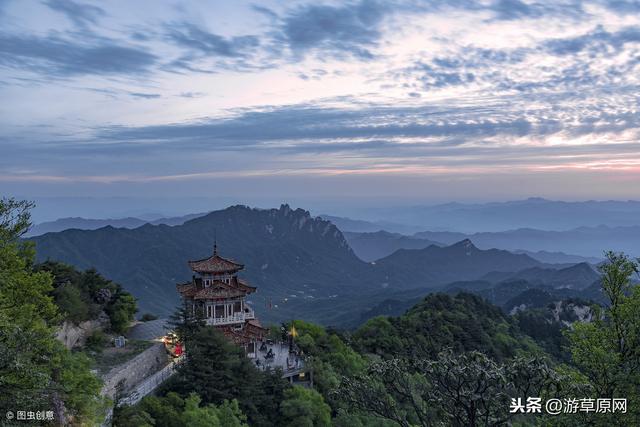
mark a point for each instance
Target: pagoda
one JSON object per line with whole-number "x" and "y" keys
{"x": 216, "y": 293}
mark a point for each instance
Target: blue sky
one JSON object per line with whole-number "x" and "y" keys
{"x": 391, "y": 100}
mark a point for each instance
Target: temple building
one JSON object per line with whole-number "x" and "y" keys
{"x": 216, "y": 293}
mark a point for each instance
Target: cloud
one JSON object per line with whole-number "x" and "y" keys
{"x": 145, "y": 95}
{"x": 309, "y": 127}
{"x": 54, "y": 56}
{"x": 192, "y": 94}
{"x": 195, "y": 38}
{"x": 514, "y": 9}
{"x": 79, "y": 14}
{"x": 622, "y": 6}
{"x": 352, "y": 29}
{"x": 598, "y": 41}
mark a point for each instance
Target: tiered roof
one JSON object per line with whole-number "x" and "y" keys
{"x": 216, "y": 290}
{"x": 215, "y": 264}
{"x": 252, "y": 330}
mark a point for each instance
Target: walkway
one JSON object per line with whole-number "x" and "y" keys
{"x": 149, "y": 384}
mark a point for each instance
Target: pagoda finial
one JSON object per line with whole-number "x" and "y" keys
{"x": 215, "y": 242}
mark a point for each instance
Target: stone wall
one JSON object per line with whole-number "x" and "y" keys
{"x": 131, "y": 373}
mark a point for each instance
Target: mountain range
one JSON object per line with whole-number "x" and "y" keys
{"x": 581, "y": 241}
{"x": 370, "y": 246}
{"x": 373, "y": 246}
{"x": 534, "y": 212}
{"x": 303, "y": 266}
{"x": 79, "y": 223}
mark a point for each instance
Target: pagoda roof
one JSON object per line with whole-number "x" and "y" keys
{"x": 215, "y": 264}
{"x": 187, "y": 289}
{"x": 216, "y": 290}
{"x": 249, "y": 332}
{"x": 219, "y": 290}
{"x": 245, "y": 286}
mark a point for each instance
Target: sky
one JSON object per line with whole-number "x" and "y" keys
{"x": 399, "y": 101}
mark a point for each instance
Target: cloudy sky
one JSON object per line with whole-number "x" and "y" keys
{"x": 400, "y": 100}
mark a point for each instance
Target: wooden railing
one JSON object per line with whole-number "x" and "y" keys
{"x": 235, "y": 318}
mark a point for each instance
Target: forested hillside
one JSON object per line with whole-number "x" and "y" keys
{"x": 36, "y": 371}
{"x": 286, "y": 252}
{"x": 302, "y": 266}
{"x": 449, "y": 360}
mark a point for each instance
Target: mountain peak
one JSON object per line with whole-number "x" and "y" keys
{"x": 466, "y": 244}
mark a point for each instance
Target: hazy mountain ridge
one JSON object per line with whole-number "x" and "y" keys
{"x": 370, "y": 246}
{"x": 534, "y": 212}
{"x": 303, "y": 266}
{"x": 581, "y": 241}
{"x": 275, "y": 245}
{"x": 405, "y": 268}
{"x": 578, "y": 276}
{"x": 362, "y": 226}
{"x": 375, "y": 245}
{"x": 80, "y": 223}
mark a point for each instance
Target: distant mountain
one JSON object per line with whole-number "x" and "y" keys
{"x": 530, "y": 213}
{"x": 286, "y": 252}
{"x": 360, "y": 226}
{"x": 303, "y": 266}
{"x": 83, "y": 224}
{"x": 434, "y": 266}
{"x": 582, "y": 241}
{"x": 93, "y": 224}
{"x": 578, "y": 276}
{"x": 177, "y": 220}
{"x": 559, "y": 257}
{"x": 373, "y": 246}
{"x": 370, "y": 246}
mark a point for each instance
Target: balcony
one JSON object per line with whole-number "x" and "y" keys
{"x": 248, "y": 314}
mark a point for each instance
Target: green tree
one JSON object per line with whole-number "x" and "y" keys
{"x": 461, "y": 390}
{"x": 35, "y": 369}
{"x": 304, "y": 407}
{"x": 217, "y": 370}
{"x": 77, "y": 387}
{"x": 122, "y": 312}
{"x": 607, "y": 350}
{"x": 69, "y": 300}
{"x": 186, "y": 324}
{"x": 328, "y": 355}
{"x": 26, "y": 315}
{"x": 134, "y": 416}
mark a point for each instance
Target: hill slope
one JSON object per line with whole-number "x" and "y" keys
{"x": 303, "y": 266}
{"x": 434, "y": 266}
{"x": 373, "y": 246}
{"x": 285, "y": 252}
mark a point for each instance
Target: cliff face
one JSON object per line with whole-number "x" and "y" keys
{"x": 72, "y": 335}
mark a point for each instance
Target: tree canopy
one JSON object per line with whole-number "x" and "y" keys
{"x": 36, "y": 371}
